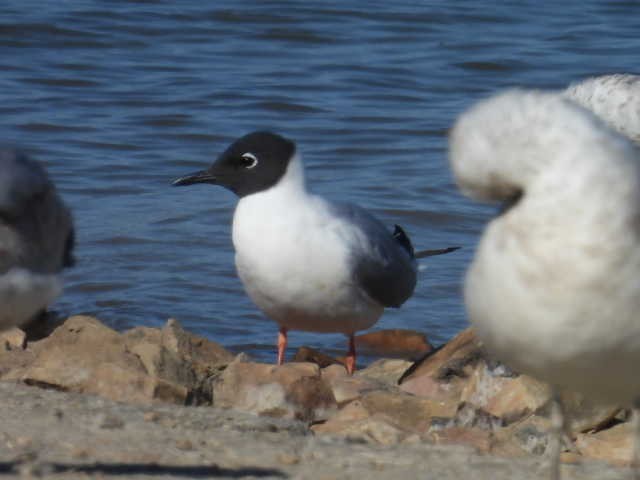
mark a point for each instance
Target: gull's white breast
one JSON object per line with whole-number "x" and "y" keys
{"x": 292, "y": 256}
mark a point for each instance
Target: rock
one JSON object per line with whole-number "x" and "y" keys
{"x": 288, "y": 459}
{"x": 159, "y": 362}
{"x": 347, "y": 388}
{"x": 383, "y": 417}
{"x": 449, "y": 361}
{"x": 83, "y": 355}
{"x": 356, "y": 422}
{"x": 292, "y": 390}
{"x": 613, "y": 445}
{"x": 529, "y": 436}
{"x": 508, "y": 398}
{"x": 181, "y": 363}
{"x": 468, "y": 416}
{"x": 142, "y": 365}
{"x": 477, "y": 438}
{"x": 371, "y": 429}
{"x": 198, "y": 350}
{"x": 385, "y": 371}
{"x": 13, "y": 338}
{"x": 308, "y": 354}
{"x": 333, "y": 372}
{"x": 442, "y": 374}
{"x": 394, "y": 343}
{"x": 408, "y": 412}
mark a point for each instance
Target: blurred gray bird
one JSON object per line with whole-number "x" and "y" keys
{"x": 36, "y": 238}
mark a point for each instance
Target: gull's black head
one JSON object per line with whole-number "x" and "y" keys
{"x": 253, "y": 163}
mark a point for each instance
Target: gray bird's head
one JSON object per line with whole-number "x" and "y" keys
{"x": 253, "y": 163}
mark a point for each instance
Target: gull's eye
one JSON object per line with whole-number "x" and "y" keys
{"x": 249, "y": 160}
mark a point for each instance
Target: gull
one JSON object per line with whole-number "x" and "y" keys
{"x": 554, "y": 287}
{"x": 36, "y": 238}
{"x": 308, "y": 263}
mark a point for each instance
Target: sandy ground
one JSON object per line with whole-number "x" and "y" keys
{"x": 51, "y": 434}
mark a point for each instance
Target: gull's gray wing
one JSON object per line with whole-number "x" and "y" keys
{"x": 382, "y": 263}
{"x": 35, "y": 225}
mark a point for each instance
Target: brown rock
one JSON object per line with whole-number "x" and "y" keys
{"x": 83, "y": 355}
{"x": 450, "y": 360}
{"x": 313, "y": 395}
{"x": 347, "y": 388}
{"x": 13, "y": 338}
{"x": 182, "y": 364}
{"x": 477, "y": 438}
{"x": 528, "y": 436}
{"x": 385, "y": 371}
{"x": 308, "y": 354}
{"x": 613, "y": 445}
{"x": 292, "y": 390}
{"x": 394, "y": 343}
{"x": 443, "y": 374}
{"x": 333, "y": 372}
{"x": 570, "y": 457}
{"x": 355, "y": 421}
{"x": 198, "y": 350}
{"x": 508, "y": 398}
{"x": 288, "y": 459}
{"x": 383, "y": 417}
{"x": 408, "y": 412}
{"x": 371, "y": 429}
{"x": 142, "y": 365}
{"x": 353, "y": 411}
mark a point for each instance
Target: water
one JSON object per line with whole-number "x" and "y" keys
{"x": 120, "y": 97}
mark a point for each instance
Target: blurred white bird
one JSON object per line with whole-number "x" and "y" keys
{"x": 554, "y": 287}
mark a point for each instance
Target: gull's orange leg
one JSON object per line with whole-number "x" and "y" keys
{"x": 350, "y": 361}
{"x": 282, "y": 344}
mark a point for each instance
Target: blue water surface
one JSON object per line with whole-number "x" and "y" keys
{"x": 120, "y": 97}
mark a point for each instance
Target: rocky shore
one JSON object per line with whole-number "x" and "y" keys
{"x": 84, "y": 401}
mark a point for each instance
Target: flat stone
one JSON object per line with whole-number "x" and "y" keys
{"x": 508, "y": 398}
{"x": 387, "y": 371}
{"x": 395, "y": 343}
{"x": 443, "y": 374}
{"x": 356, "y": 422}
{"x": 292, "y": 390}
{"x": 347, "y": 388}
{"x": 408, "y": 412}
{"x": 479, "y": 439}
{"x": 613, "y": 445}
{"x": 528, "y": 436}
{"x": 397, "y": 415}
{"x": 83, "y": 355}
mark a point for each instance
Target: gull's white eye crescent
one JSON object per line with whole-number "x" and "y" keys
{"x": 249, "y": 160}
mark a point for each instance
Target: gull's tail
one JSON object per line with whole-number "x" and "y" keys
{"x": 437, "y": 251}
{"x": 403, "y": 239}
